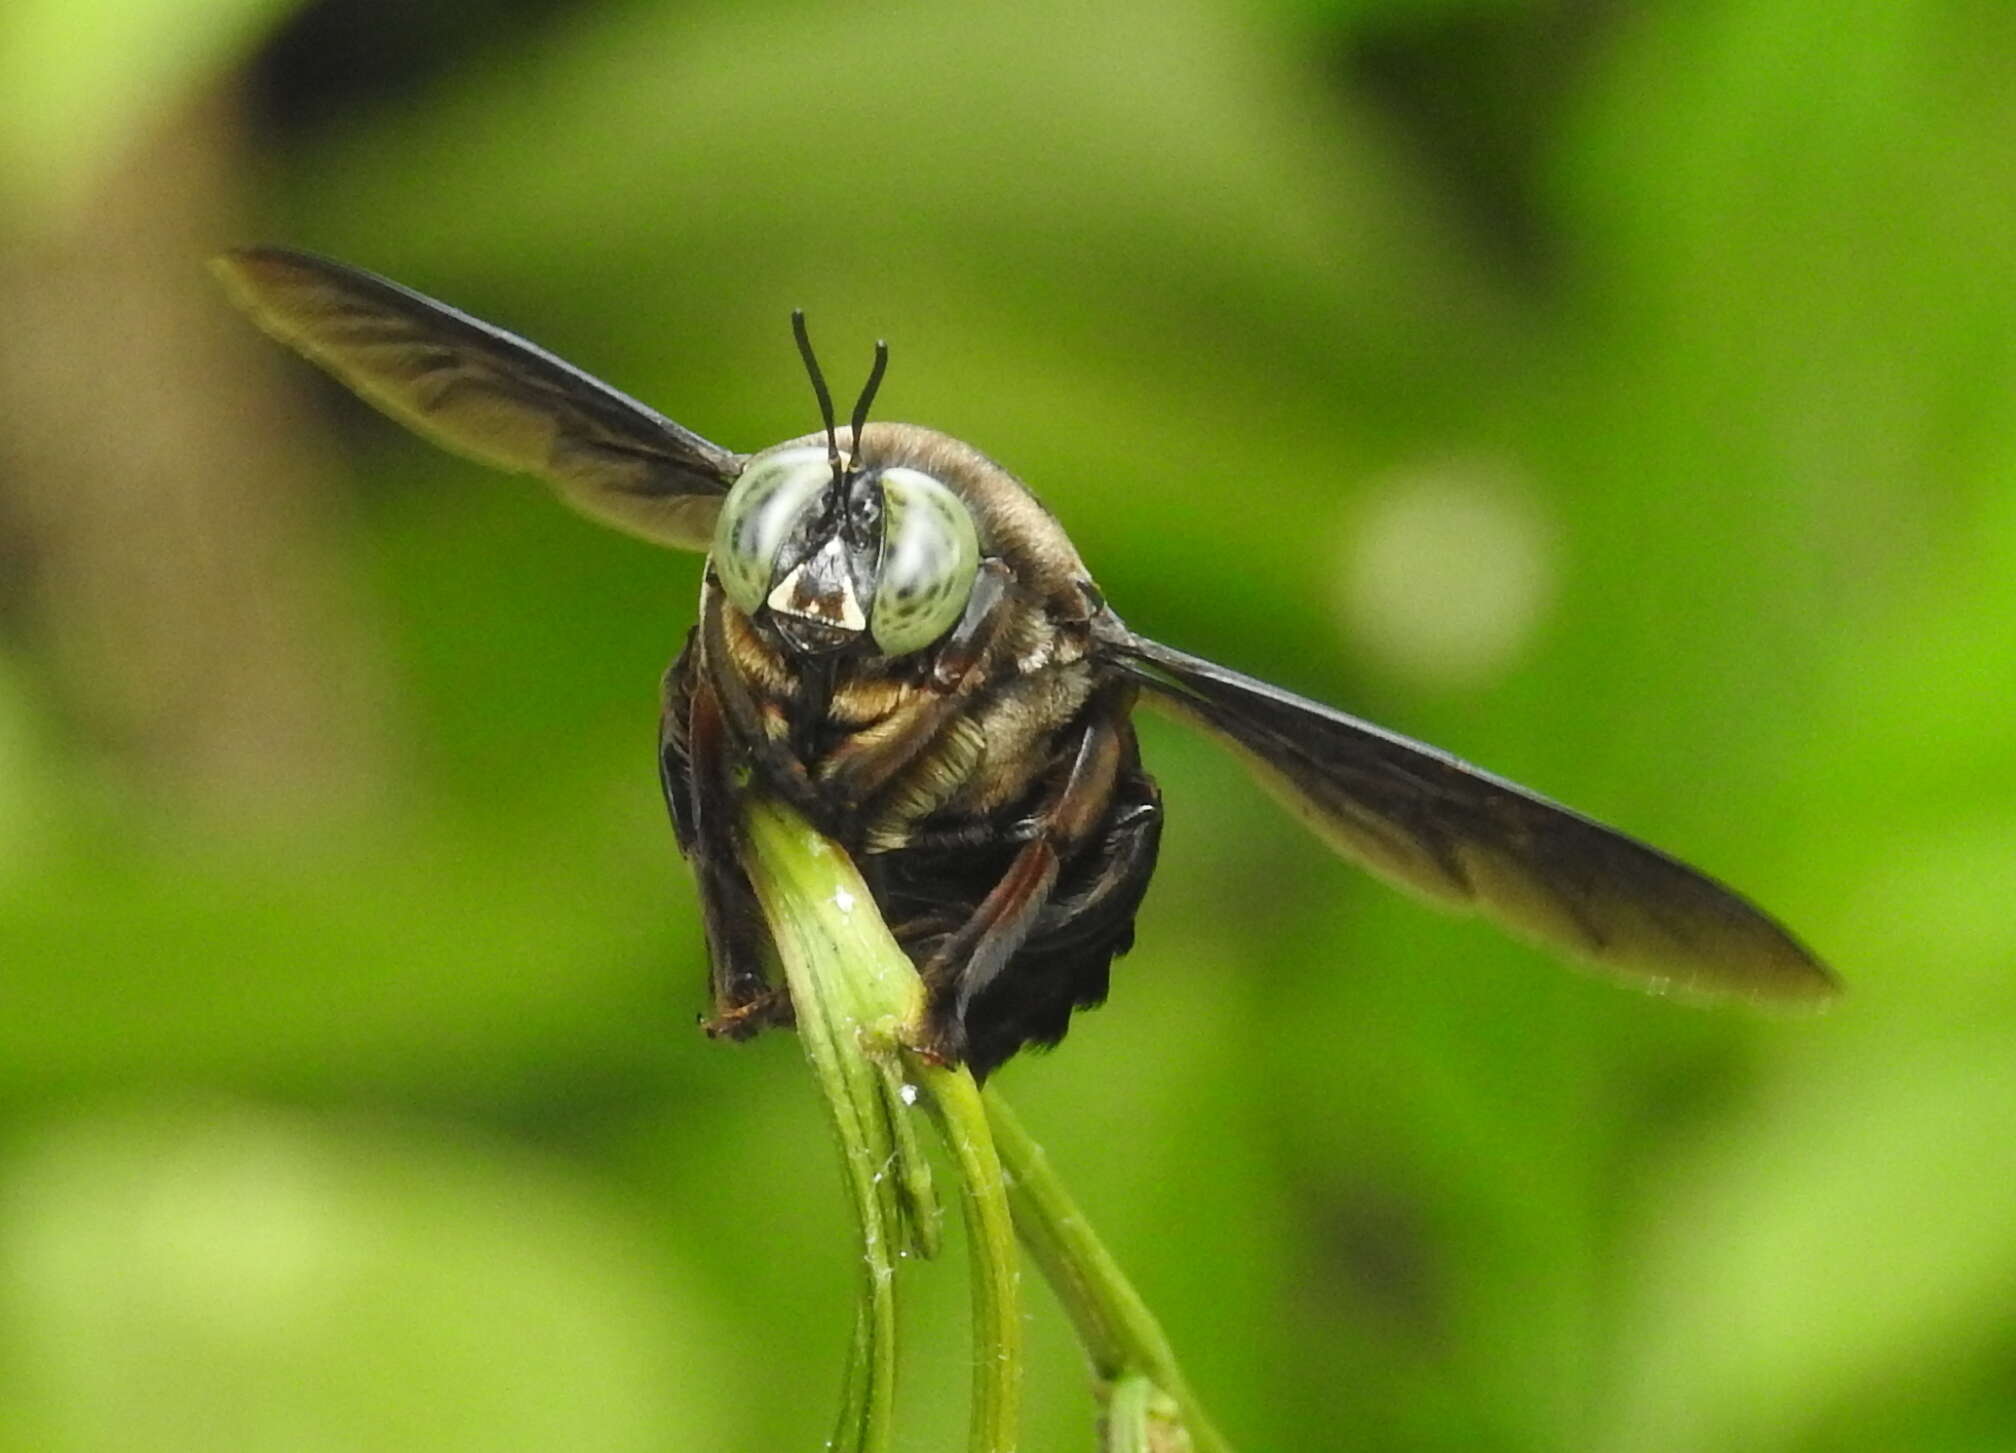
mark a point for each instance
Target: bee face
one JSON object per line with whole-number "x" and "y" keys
{"x": 868, "y": 557}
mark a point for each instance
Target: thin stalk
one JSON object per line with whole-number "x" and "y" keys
{"x": 955, "y": 1105}
{"x": 824, "y": 926}
{"x": 1119, "y": 1333}
{"x": 856, "y": 995}
{"x": 855, "y": 991}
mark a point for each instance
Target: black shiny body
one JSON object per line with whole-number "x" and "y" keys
{"x": 990, "y": 787}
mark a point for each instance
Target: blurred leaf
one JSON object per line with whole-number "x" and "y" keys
{"x": 1861, "y": 1227}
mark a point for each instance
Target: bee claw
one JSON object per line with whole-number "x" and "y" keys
{"x": 941, "y": 1041}
{"x": 743, "y": 1021}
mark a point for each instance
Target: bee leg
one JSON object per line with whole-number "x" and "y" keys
{"x": 1066, "y": 962}
{"x": 1098, "y": 910}
{"x": 675, "y": 775}
{"x": 966, "y": 646}
{"x": 971, "y": 958}
{"x": 695, "y": 768}
{"x": 764, "y": 735}
{"x": 866, "y": 763}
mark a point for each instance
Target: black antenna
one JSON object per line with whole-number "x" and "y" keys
{"x": 818, "y": 385}
{"x": 868, "y": 394}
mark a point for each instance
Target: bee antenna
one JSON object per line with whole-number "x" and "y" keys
{"x": 818, "y": 384}
{"x": 868, "y": 393}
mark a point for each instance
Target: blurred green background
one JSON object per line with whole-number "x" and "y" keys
{"x": 1619, "y": 394}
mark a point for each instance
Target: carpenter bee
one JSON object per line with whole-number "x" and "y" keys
{"x": 896, "y": 638}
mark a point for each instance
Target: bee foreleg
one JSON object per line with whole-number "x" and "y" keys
{"x": 966, "y": 647}
{"x": 675, "y": 773}
{"x": 744, "y": 999}
{"x": 760, "y": 730}
{"x": 871, "y": 758}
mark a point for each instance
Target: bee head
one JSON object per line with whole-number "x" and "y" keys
{"x": 830, "y": 551}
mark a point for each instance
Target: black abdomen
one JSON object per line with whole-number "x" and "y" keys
{"x": 927, "y": 893}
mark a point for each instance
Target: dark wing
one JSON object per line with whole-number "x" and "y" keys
{"x": 488, "y": 394}
{"x": 1429, "y": 823}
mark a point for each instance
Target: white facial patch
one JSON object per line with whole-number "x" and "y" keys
{"x": 795, "y": 596}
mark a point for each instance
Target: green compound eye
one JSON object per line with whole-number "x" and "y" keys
{"x": 757, "y": 517}
{"x": 930, "y": 556}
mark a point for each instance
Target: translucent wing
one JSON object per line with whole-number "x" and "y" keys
{"x": 487, "y": 394}
{"x": 1439, "y": 827}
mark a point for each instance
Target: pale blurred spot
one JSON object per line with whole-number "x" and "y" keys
{"x": 183, "y": 1279}
{"x": 1448, "y": 569}
{"x": 230, "y": 1221}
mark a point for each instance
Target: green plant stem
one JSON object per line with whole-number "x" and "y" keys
{"x": 856, "y": 995}
{"x": 1120, "y": 1334}
{"x": 955, "y": 1104}
{"x": 809, "y": 894}
{"x": 855, "y": 991}
{"x": 1140, "y": 1419}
